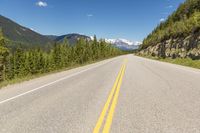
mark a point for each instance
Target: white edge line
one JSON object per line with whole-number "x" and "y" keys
{"x": 69, "y": 76}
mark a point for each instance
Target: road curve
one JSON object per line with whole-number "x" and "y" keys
{"x": 126, "y": 94}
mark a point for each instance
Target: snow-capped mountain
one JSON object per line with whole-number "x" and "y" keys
{"x": 124, "y": 44}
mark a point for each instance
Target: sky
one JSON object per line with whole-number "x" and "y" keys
{"x": 128, "y": 19}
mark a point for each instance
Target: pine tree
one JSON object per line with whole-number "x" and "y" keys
{"x": 3, "y": 56}
{"x": 22, "y": 63}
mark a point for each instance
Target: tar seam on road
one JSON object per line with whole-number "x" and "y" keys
{"x": 111, "y": 102}
{"x": 51, "y": 83}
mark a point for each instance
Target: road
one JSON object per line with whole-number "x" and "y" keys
{"x": 126, "y": 94}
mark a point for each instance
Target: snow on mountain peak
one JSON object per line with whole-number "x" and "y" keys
{"x": 121, "y": 40}
{"x": 123, "y": 43}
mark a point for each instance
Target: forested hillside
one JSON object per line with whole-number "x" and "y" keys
{"x": 17, "y": 34}
{"x": 178, "y": 36}
{"x": 22, "y": 63}
{"x": 72, "y": 38}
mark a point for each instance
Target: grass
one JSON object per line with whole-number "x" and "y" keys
{"x": 184, "y": 62}
{"x": 30, "y": 77}
{"x": 180, "y": 61}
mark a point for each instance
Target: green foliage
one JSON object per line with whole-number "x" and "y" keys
{"x": 22, "y": 63}
{"x": 3, "y": 56}
{"x": 185, "y": 62}
{"x": 183, "y": 22}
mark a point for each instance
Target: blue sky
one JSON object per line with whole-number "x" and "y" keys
{"x": 129, "y": 19}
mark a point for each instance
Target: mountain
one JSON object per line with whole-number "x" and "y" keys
{"x": 51, "y": 37}
{"x": 178, "y": 36}
{"x": 123, "y": 44}
{"x": 72, "y": 38}
{"x": 17, "y": 34}
{"x": 20, "y": 34}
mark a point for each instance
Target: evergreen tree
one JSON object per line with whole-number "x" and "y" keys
{"x": 3, "y": 56}
{"x": 22, "y": 63}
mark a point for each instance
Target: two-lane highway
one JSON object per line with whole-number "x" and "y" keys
{"x": 126, "y": 94}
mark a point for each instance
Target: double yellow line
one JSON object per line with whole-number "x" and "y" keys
{"x": 110, "y": 105}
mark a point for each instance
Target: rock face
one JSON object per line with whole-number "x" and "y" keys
{"x": 176, "y": 47}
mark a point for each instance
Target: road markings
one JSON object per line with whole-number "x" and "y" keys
{"x": 111, "y": 102}
{"x": 51, "y": 83}
{"x": 106, "y": 106}
{"x": 109, "y": 119}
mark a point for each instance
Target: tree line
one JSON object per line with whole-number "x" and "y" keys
{"x": 22, "y": 62}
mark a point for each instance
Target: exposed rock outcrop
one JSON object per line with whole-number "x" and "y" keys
{"x": 178, "y": 47}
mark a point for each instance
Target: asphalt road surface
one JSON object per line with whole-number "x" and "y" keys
{"x": 126, "y": 94}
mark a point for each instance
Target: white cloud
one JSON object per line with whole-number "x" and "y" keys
{"x": 41, "y": 4}
{"x": 89, "y": 15}
{"x": 162, "y": 20}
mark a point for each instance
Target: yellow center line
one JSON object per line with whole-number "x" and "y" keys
{"x": 106, "y": 106}
{"x": 109, "y": 119}
{"x": 109, "y": 100}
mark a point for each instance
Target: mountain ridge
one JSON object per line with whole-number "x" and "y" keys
{"x": 72, "y": 38}
{"x": 18, "y": 35}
